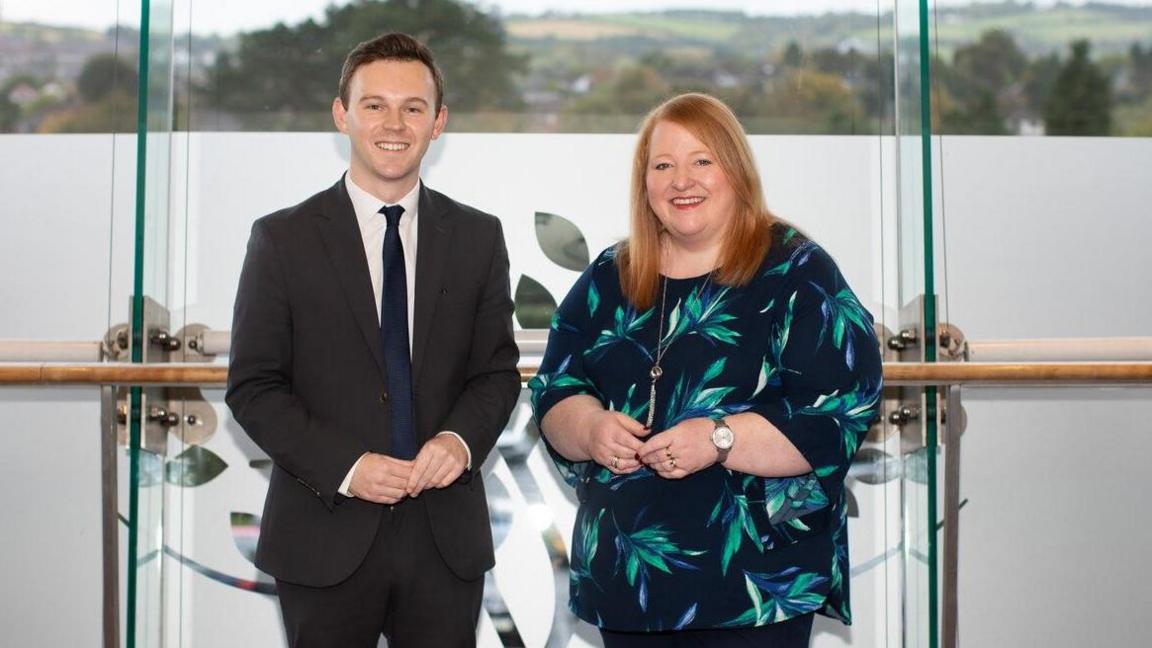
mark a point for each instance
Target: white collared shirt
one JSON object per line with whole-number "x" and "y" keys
{"x": 372, "y": 225}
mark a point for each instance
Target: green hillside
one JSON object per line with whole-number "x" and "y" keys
{"x": 1111, "y": 28}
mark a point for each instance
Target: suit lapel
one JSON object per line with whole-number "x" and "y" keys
{"x": 434, "y": 233}
{"x": 345, "y": 249}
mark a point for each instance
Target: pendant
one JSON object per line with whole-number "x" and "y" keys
{"x": 655, "y": 373}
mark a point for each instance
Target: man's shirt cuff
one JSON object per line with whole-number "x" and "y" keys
{"x": 347, "y": 483}
{"x": 464, "y": 443}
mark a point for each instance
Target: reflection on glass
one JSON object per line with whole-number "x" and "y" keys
{"x": 145, "y": 612}
{"x": 245, "y": 533}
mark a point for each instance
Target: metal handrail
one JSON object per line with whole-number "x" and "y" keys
{"x": 210, "y": 344}
{"x": 895, "y": 374}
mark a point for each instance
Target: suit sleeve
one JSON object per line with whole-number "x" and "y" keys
{"x": 260, "y": 378}
{"x": 492, "y": 383}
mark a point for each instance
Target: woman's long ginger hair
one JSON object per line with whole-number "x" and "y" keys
{"x": 749, "y": 233}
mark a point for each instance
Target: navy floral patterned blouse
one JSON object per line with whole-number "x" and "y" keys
{"x": 718, "y": 548}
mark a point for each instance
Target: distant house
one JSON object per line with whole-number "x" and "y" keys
{"x": 849, "y": 45}
{"x": 725, "y": 79}
{"x": 582, "y": 84}
{"x": 23, "y": 94}
{"x": 54, "y": 90}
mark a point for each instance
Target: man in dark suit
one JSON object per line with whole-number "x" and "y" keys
{"x": 375, "y": 520}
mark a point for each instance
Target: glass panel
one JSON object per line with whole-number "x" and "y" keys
{"x": 145, "y": 611}
{"x": 1011, "y": 213}
{"x": 1035, "y": 249}
{"x": 817, "y": 95}
{"x": 1044, "y": 473}
{"x": 68, "y": 92}
{"x": 554, "y": 66}
{"x": 1037, "y": 69}
{"x": 917, "y": 297}
{"x": 190, "y": 580}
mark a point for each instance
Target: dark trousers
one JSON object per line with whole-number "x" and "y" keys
{"x": 793, "y": 633}
{"x": 403, "y": 590}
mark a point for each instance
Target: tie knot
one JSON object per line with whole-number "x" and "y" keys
{"x": 392, "y": 214}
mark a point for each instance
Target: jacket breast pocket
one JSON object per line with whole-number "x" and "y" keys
{"x": 787, "y": 510}
{"x": 459, "y": 293}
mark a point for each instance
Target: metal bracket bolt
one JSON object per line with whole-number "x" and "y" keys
{"x": 163, "y": 417}
{"x": 164, "y": 340}
{"x": 905, "y": 414}
{"x": 903, "y": 340}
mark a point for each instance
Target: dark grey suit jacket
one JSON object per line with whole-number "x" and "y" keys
{"x": 307, "y": 379}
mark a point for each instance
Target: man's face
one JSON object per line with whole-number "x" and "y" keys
{"x": 391, "y": 119}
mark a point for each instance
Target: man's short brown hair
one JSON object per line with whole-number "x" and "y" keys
{"x": 394, "y": 46}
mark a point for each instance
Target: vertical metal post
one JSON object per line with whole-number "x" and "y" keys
{"x": 110, "y": 523}
{"x": 953, "y": 426}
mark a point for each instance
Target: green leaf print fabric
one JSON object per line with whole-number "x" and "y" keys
{"x": 718, "y": 548}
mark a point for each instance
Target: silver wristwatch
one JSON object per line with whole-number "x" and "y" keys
{"x": 722, "y": 438}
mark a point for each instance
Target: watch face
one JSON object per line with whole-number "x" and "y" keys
{"x": 722, "y": 437}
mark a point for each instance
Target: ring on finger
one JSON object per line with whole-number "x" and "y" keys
{"x": 615, "y": 462}
{"x": 672, "y": 463}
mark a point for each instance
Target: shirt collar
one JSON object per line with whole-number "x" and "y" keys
{"x": 368, "y": 207}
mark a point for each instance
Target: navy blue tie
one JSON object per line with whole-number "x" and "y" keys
{"x": 394, "y": 335}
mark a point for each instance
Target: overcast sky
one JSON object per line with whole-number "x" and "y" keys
{"x": 229, "y": 16}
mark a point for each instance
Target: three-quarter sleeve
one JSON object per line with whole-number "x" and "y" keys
{"x": 825, "y": 358}
{"x": 562, "y": 372}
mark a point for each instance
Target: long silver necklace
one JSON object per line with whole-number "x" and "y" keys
{"x": 655, "y": 372}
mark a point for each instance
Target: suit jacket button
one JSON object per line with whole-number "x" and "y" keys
{"x": 383, "y": 397}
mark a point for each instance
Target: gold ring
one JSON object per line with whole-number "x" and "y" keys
{"x": 616, "y": 463}
{"x": 672, "y": 463}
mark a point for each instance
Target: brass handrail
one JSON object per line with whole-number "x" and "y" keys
{"x": 895, "y": 374}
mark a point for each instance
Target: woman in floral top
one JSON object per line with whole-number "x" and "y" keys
{"x": 705, "y": 386}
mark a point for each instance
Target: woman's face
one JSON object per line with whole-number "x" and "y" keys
{"x": 687, "y": 189}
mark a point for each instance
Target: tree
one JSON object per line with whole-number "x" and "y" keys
{"x": 291, "y": 72}
{"x": 991, "y": 64}
{"x": 982, "y": 85}
{"x": 1140, "y": 66}
{"x": 1135, "y": 120}
{"x": 632, "y": 91}
{"x": 806, "y": 101}
{"x": 115, "y": 113}
{"x": 10, "y": 111}
{"x": 107, "y": 100}
{"x": 9, "y": 114}
{"x": 104, "y": 74}
{"x": 793, "y": 56}
{"x": 1081, "y": 99}
{"x": 1038, "y": 80}
{"x": 977, "y": 116}
{"x": 869, "y": 77}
